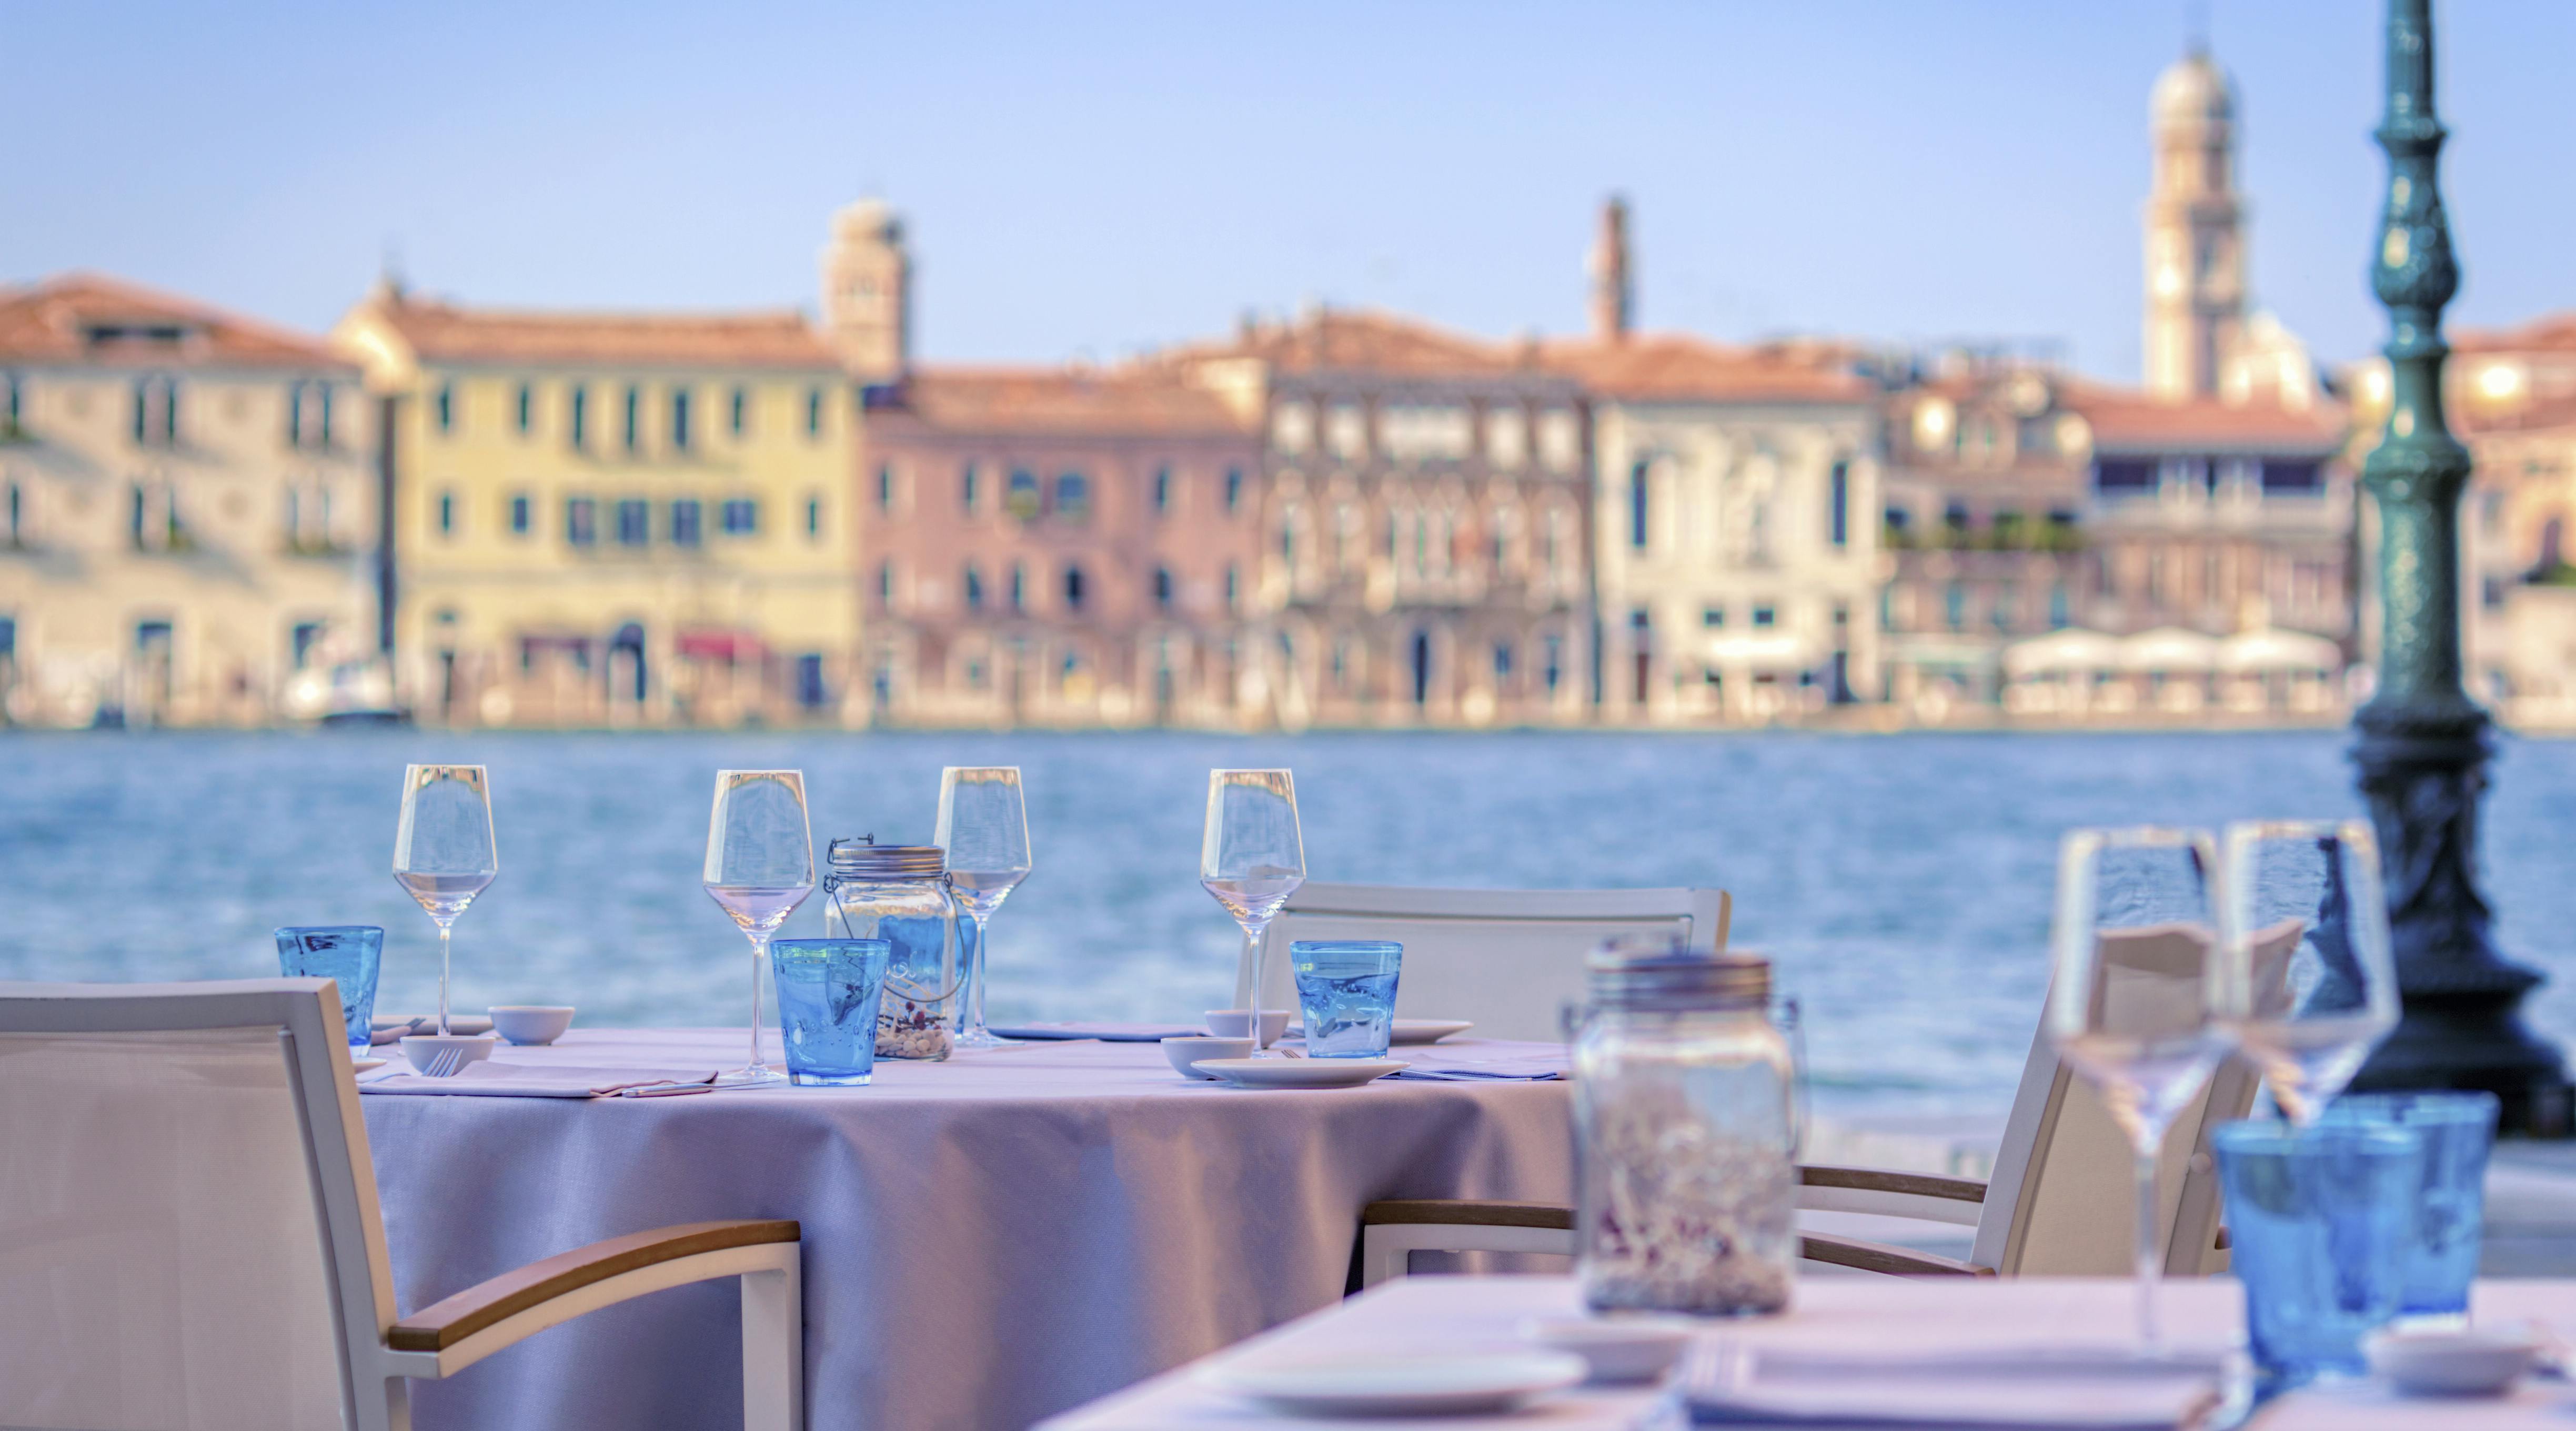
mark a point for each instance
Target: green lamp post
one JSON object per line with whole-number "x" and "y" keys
{"x": 2423, "y": 744}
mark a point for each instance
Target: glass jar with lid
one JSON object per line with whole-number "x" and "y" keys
{"x": 1687, "y": 1114}
{"x": 899, "y": 893}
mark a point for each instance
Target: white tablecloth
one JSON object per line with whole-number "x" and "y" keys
{"x": 1855, "y": 1314}
{"x": 987, "y": 1241}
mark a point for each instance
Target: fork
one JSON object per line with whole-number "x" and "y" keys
{"x": 444, "y": 1063}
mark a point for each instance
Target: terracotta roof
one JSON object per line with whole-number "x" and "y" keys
{"x": 89, "y": 318}
{"x": 444, "y": 332}
{"x": 1063, "y": 401}
{"x": 1674, "y": 367}
{"x": 2555, "y": 333}
{"x": 2126, "y": 419}
{"x": 2535, "y": 415}
{"x": 1341, "y": 340}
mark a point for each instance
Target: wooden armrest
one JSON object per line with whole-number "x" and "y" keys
{"x": 1879, "y": 1257}
{"x": 1469, "y": 1212}
{"x": 1881, "y": 1180}
{"x": 445, "y": 1323}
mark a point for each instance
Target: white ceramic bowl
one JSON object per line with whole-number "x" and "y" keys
{"x": 1236, "y": 1023}
{"x": 2470, "y": 1363}
{"x": 421, "y": 1048}
{"x": 1616, "y": 1348}
{"x": 531, "y": 1023}
{"x": 1186, "y": 1049}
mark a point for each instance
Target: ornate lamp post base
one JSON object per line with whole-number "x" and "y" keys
{"x": 2462, "y": 1027}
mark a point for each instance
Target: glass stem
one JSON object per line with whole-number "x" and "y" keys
{"x": 2150, "y": 1336}
{"x": 759, "y": 961}
{"x": 444, "y": 931}
{"x": 975, "y": 979}
{"x": 1252, "y": 960}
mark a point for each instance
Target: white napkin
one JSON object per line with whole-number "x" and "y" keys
{"x": 1485, "y": 1068}
{"x": 515, "y": 1080}
{"x": 2037, "y": 1389}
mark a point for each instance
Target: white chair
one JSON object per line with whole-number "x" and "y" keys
{"x": 189, "y": 1234}
{"x": 1509, "y": 959}
{"x": 2061, "y": 1202}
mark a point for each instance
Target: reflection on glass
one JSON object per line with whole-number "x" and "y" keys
{"x": 2129, "y": 996}
{"x": 2308, "y": 987}
{"x": 984, "y": 827}
{"x": 443, "y": 851}
{"x": 760, "y": 866}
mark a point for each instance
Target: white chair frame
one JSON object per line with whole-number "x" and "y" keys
{"x": 379, "y": 1351}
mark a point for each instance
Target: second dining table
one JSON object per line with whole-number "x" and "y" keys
{"x": 987, "y": 1241}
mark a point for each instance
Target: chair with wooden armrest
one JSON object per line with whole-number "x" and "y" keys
{"x": 1508, "y": 959}
{"x": 2061, "y": 1200}
{"x": 189, "y": 1233}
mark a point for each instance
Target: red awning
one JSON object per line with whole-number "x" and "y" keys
{"x": 720, "y": 645}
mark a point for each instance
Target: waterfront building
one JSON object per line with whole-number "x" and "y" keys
{"x": 619, "y": 518}
{"x": 1059, "y": 547}
{"x": 1736, "y": 554}
{"x": 1424, "y": 505}
{"x": 187, "y": 518}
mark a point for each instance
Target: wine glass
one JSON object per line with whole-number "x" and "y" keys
{"x": 984, "y": 827}
{"x": 2129, "y": 998}
{"x": 2308, "y": 987}
{"x": 1252, "y": 857}
{"x": 760, "y": 866}
{"x": 443, "y": 852}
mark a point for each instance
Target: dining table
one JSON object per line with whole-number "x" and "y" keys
{"x": 1894, "y": 1319}
{"x": 988, "y": 1240}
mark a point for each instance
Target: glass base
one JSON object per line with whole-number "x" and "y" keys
{"x": 750, "y": 1078}
{"x": 983, "y": 1038}
{"x": 810, "y": 1079}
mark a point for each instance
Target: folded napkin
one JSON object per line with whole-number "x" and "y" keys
{"x": 1479, "y": 1068}
{"x": 2041, "y": 1389}
{"x": 1105, "y": 1032}
{"x": 487, "y": 1079}
{"x": 389, "y": 1027}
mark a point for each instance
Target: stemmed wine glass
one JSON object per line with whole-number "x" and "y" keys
{"x": 760, "y": 866}
{"x": 984, "y": 827}
{"x": 2308, "y": 987}
{"x": 1252, "y": 857}
{"x": 2129, "y": 998}
{"x": 443, "y": 852}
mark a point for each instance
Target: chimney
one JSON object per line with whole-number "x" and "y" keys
{"x": 1613, "y": 290}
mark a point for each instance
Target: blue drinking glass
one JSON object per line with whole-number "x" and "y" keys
{"x": 1346, "y": 989}
{"x": 2458, "y": 1130}
{"x": 347, "y": 954}
{"x": 2321, "y": 1219}
{"x": 828, "y": 990}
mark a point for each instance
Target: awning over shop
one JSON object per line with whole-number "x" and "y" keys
{"x": 2059, "y": 652}
{"x": 717, "y": 644}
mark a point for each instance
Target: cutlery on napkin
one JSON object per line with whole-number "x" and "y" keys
{"x": 1726, "y": 1382}
{"x": 510, "y": 1080}
{"x": 389, "y": 1027}
{"x": 1500, "y": 1068}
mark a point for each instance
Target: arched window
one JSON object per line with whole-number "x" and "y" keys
{"x": 1073, "y": 588}
{"x": 1023, "y": 499}
{"x": 1637, "y": 509}
{"x": 974, "y": 588}
{"x": 1019, "y": 587}
{"x": 1073, "y": 497}
{"x": 1163, "y": 587}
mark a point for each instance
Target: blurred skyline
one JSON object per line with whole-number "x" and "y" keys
{"x": 1084, "y": 185}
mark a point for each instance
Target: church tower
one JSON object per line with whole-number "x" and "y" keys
{"x": 867, "y": 292}
{"x": 1613, "y": 291}
{"x": 2195, "y": 232}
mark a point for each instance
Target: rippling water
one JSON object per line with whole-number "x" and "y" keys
{"x": 1903, "y": 882}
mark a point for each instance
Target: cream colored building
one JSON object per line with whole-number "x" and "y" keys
{"x": 187, "y": 516}
{"x": 622, "y": 519}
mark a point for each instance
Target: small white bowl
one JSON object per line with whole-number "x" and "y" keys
{"x": 421, "y": 1048}
{"x": 1237, "y": 1023}
{"x": 2468, "y": 1363}
{"x": 531, "y": 1023}
{"x": 1616, "y": 1348}
{"x": 1185, "y": 1050}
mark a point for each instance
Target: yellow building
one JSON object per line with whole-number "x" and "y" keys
{"x": 620, "y": 519}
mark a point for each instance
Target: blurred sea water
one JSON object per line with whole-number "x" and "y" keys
{"x": 1903, "y": 882}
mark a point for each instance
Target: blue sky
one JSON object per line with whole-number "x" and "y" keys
{"x": 1090, "y": 179}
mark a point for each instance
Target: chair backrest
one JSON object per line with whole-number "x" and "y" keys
{"x": 188, "y": 1224}
{"x": 1509, "y": 959}
{"x": 2062, "y": 1199}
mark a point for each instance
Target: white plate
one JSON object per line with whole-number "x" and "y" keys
{"x": 1429, "y": 1384}
{"x": 1411, "y": 1031}
{"x": 1298, "y": 1072}
{"x": 1618, "y": 1348}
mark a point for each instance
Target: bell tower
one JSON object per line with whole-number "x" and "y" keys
{"x": 2195, "y": 232}
{"x": 867, "y": 292}
{"x": 1613, "y": 289}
